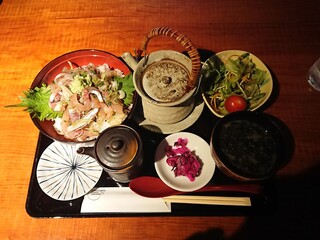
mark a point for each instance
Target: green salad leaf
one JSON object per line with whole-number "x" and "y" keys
{"x": 126, "y": 85}
{"x": 36, "y": 102}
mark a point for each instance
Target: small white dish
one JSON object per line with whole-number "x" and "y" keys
{"x": 182, "y": 183}
{"x": 65, "y": 175}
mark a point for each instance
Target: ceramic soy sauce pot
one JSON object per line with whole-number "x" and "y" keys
{"x": 118, "y": 149}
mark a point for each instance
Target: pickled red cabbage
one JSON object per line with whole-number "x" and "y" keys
{"x": 182, "y": 160}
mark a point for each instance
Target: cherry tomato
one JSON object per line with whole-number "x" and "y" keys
{"x": 235, "y": 103}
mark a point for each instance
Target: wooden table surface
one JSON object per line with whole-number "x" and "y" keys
{"x": 284, "y": 34}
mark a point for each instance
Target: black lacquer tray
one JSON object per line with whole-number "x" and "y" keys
{"x": 40, "y": 205}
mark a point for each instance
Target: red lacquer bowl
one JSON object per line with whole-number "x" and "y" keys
{"x": 77, "y": 58}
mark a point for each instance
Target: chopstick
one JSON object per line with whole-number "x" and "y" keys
{"x": 209, "y": 200}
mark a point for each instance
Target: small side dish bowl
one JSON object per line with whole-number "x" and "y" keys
{"x": 77, "y": 58}
{"x": 248, "y": 146}
{"x": 200, "y": 148}
{"x": 250, "y": 80}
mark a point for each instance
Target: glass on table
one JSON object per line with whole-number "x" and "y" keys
{"x": 314, "y": 75}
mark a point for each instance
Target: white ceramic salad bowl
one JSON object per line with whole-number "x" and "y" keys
{"x": 215, "y": 91}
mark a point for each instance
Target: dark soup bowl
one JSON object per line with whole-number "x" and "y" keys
{"x": 247, "y": 146}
